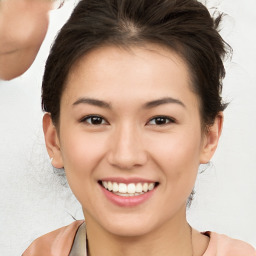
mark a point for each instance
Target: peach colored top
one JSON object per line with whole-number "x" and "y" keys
{"x": 63, "y": 242}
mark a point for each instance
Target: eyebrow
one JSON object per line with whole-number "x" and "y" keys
{"x": 94, "y": 102}
{"x": 150, "y": 104}
{"x": 166, "y": 100}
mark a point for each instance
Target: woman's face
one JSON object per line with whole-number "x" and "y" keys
{"x": 129, "y": 118}
{"x": 23, "y": 25}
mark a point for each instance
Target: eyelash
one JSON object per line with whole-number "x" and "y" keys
{"x": 95, "y": 117}
{"x": 168, "y": 120}
{"x": 164, "y": 119}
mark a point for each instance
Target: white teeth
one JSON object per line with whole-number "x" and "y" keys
{"x": 145, "y": 187}
{"x": 122, "y": 194}
{"x": 139, "y": 187}
{"x": 130, "y": 189}
{"x": 115, "y": 187}
{"x": 127, "y": 195}
{"x": 105, "y": 184}
{"x": 110, "y": 186}
{"x": 122, "y": 188}
{"x": 151, "y": 186}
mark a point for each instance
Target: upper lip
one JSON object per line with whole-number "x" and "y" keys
{"x": 128, "y": 180}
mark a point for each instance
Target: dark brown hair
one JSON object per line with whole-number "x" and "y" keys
{"x": 184, "y": 26}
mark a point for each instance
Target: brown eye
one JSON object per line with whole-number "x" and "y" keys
{"x": 160, "y": 120}
{"x": 94, "y": 120}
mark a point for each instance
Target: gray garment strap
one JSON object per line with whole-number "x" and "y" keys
{"x": 79, "y": 245}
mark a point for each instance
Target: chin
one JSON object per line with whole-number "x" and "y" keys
{"x": 129, "y": 227}
{"x": 129, "y": 231}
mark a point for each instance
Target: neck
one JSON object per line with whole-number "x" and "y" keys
{"x": 172, "y": 238}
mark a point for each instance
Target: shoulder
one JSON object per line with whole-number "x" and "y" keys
{"x": 222, "y": 245}
{"x": 57, "y": 242}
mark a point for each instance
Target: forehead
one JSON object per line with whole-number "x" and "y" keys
{"x": 150, "y": 54}
{"x": 145, "y": 71}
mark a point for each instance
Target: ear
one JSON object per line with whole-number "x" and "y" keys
{"x": 211, "y": 139}
{"x": 52, "y": 141}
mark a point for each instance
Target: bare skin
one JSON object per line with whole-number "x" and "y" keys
{"x": 23, "y": 26}
{"x": 126, "y": 92}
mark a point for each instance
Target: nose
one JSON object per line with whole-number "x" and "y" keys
{"x": 126, "y": 148}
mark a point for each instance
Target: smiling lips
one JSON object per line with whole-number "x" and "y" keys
{"x": 130, "y": 189}
{"x": 128, "y": 192}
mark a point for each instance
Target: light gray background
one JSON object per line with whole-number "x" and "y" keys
{"x": 33, "y": 200}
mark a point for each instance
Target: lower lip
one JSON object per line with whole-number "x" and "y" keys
{"x": 127, "y": 201}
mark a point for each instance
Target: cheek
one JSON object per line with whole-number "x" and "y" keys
{"x": 80, "y": 155}
{"x": 81, "y": 152}
{"x": 178, "y": 162}
{"x": 178, "y": 156}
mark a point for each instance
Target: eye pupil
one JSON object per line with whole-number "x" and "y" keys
{"x": 96, "y": 120}
{"x": 160, "y": 120}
